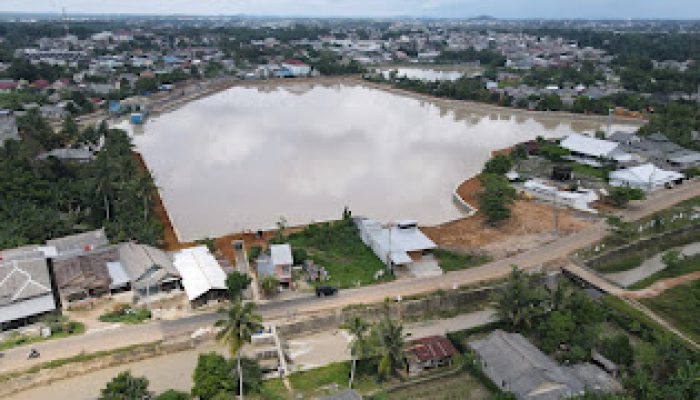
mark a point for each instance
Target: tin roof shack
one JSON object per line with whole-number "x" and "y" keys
{"x": 516, "y": 366}
{"x": 202, "y": 276}
{"x": 80, "y": 276}
{"x": 25, "y": 289}
{"x": 428, "y": 353}
{"x": 150, "y": 270}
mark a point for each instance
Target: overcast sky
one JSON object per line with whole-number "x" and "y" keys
{"x": 682, "y": 9}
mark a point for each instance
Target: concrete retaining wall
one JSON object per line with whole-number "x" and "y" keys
{"x": 46, "y": 376}
{"x": 649, "y": 246}
{"x": 423, "y": 308}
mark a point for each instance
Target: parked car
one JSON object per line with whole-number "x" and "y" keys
{"x": 326, "y": 291}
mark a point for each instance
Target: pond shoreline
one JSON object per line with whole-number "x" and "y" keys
{"x": 465, "y": 201}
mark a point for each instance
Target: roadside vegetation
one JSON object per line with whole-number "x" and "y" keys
{"x": 124, "y": 313}
{"x": 454, "y": 261}
{"x": 676, "y": 264}
{"x": 337, "y": 247}
{"x": 680, "y": 306}
{"x": 42, "y": 199}
{"x": 567, "y": 324}
{"x": 60, "y": 327}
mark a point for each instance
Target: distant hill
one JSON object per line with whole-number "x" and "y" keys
{"x": 483, "y": 18}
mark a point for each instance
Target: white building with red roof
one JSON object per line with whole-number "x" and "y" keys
{"x": 296, "y": 67}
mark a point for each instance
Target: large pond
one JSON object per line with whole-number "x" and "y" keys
{"x": 241, "y": 159}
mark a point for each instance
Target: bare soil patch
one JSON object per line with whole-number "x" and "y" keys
{"x": 531, "y": 225}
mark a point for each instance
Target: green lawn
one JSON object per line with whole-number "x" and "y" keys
{"x": 71, "y": 328}
{"x": 686, "y": 266}
{"x": 127, "y": 315}
{"x": 680, "y": 306}
{"x": 622, "y": 264}
{"x": 461, "y": 385}
{"x": 592, "y": 172}
{"x": 452, "y": 261}
{"x": 337, "y": 247}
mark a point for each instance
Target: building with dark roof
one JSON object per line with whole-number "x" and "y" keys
{"x": 427, "y": 353}
{"x": 84, "y": 275}
{"x": 149, "y": 269}
{"x": 25, "y": 289}
{"x": 517, "y": 366}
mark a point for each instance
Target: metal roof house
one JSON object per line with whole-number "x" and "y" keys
{"x": 588, "y": 150}
{"x": 25, "y": 290}
{"x": 427, "y": 353}
{"x": 517, "y": 366}
{"x": 278, "y": 264}
{"x": 399, "y": 244}
{"x": 202, "y": 276}
{"x": 76, "y": 244}
{"x": 149, "y": 269}
{"x": 83, "y": 275}
{"x": 647, "y": 177}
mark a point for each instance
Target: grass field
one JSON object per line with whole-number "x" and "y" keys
{"x": 337, "y": 247}
{"x": 680, "y": 306}
{"x": 452, "y": 261}
{"x": 455, "y": 387}
{"x": 685, "y": 266}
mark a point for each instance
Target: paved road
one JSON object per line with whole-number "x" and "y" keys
{"x": 557, "y": 250}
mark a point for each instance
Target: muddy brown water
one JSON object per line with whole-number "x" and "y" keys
{"x": 242, "y": 158}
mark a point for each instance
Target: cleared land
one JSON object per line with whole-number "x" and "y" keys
{"x": 531, "y": 225}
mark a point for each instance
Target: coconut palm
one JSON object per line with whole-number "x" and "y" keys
{"x": 358, "y": 346}
{"x": 389, "y": 341}
{"x": 237, "y": 327}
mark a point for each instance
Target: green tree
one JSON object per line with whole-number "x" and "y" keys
{"x": 212, "y": 377}
{"x": 388, "y": 344}
{"x": 672, "y": 258}
{"x": 621, "y": 196}
{"x": 520, "y": 303}
{"x": 126, "y": 387}
{"x": 269, "y": 286}
{"x": 358, "y": 328}
{"x": 236, "y": 284}
{"x": 496, "y": 198}
{"x": 236, "y": 329}
{"x": 499, "y": 164}
{"x": 173, "y": 395}
{"x": 618, "y": 349}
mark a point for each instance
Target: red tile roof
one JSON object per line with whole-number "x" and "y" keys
{"x": 293, "y": 62}
{"x": 8, "y": 85}
{"x": 431, "y": 348}
{"x": 40, "y": 83}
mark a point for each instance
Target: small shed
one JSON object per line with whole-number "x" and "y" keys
{"x": 427, "y": 353}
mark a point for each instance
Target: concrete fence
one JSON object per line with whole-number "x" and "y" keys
{"x": 423, "y": 308}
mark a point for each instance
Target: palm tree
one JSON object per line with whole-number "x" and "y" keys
{"x": 390, "y": 344}
{"x": 238, "y": 326}
{"x": 358, "y": 329}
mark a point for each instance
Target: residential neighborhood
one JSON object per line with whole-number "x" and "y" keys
{"x": 328, "y": 200}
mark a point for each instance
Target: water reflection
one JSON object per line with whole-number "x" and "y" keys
{"x": 242, "y": 158}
